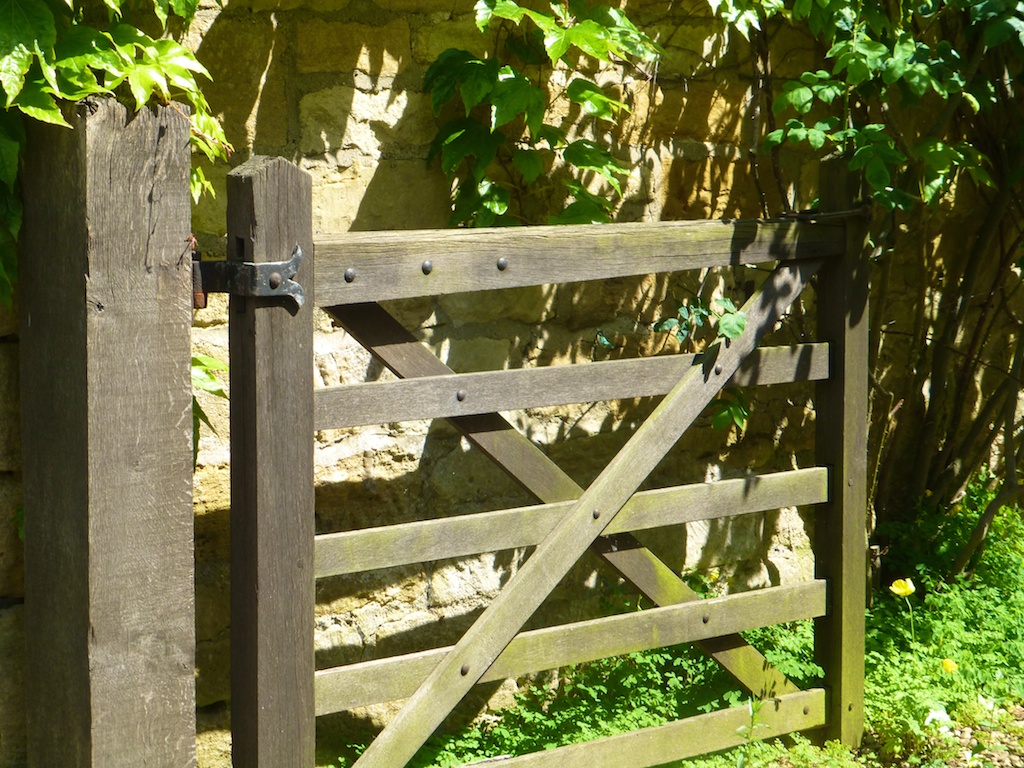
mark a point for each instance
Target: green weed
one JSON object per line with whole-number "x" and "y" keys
{"x": 961, "y": 662}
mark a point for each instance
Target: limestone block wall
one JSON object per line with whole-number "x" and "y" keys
{"x": 336, "y": 86}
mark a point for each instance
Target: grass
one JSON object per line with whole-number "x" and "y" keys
{"x": 961, "y": 663}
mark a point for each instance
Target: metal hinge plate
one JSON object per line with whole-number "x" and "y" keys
{"x": 270, "y": 279}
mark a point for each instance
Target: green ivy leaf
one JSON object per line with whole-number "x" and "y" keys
{"x": 877, "y": 173}
{"x": 587, "y": 155}
{"x": 465, "y": 138}
{"x": 35, "y": 102}
{"x": 593, "y": 100}
{"x": 794, "y": 96}
{"x": 186, "y": 9}
{"x": 477, "y": 79}
{"x": 593, "y": 39}
{"x": 493, "y": 197}
{"x": 554, "y": 136}
{"x": 12, "y": 138}
{"x": 584, "y": 211}
{"x": 27, "y": 29}
{"x": 11, "y": 211}
{"x": 203, "y": 378}
{"x": 514, "y": 95}
{"x": 774, "y": 138}
{"x": 502, "y": 9}
{"x": 732, "y": 324}
{"x": 442, "y": 77}
{"x": 530, "y": 163}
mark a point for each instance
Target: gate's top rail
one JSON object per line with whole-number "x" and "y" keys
{"x": 357, "y": 267}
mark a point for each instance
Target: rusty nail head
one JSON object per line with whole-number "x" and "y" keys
{"x": 275, "y": 280}
{"x": 502, "y": 264}
{"x": 464, "y": 670}
{"x": 350, "y": 275}
{"x": 596, "y": 513}
{"x": 427, "y": 267}
{"x": 460, "y": 395}
{"x": 706, "y": 618}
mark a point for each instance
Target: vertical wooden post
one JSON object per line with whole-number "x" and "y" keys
{"x": 842, "y": 424}
{"x": 272, "y": 526}
{"x": 105, "y": 317}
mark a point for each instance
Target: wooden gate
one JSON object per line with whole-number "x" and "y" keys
{"x": 276, "y": 694}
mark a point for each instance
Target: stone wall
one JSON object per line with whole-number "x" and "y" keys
{"x": 335, "y": 85}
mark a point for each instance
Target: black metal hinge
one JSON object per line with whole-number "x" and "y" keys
{"x": 270, "y": 279}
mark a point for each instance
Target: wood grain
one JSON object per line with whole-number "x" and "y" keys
{"x": 381, "y": 680}
{"x": 578, "y": 528}
{"x": 841, "y": 408}
{"x": 527, "y": 465}
{"x": 357, "y": 267}
{"x": 464, "y": 535}
{"x": 106, "y": 396}
{"x": 474, "y": 393}
{"x": 272, "y": 584}
{"x": 694, "y": 736}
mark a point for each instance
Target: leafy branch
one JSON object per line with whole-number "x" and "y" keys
{"x": 732, "y": 406}
{"x": 502, "y": 143}
{"x": 50, "y": 53}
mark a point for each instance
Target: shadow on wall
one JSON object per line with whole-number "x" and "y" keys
{"x": 337, "y": 91}
{"x": 335, "y": 85}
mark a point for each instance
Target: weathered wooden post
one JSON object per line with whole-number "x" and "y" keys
{"x": 105, "y": 314}
{"x": 841, "y": 413}
{"x": 272, "y": 524}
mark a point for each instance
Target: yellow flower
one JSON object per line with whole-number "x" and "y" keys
{"x": 902, "y": 587}
{"x": 950, "y": 666}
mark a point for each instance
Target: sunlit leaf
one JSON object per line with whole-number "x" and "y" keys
{"x": 593, "y": 100}
{"x": 35, "y": 102}
{"x": 26, "y": 26}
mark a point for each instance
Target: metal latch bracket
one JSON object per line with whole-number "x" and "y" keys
{"x": 270, "y": 279}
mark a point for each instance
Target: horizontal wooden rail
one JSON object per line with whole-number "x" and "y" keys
{"x": 342, "y": 688}
{"x": 357, "y": 267}
{"x": 464, "y": 535}
{"x": 683, "y": 739}
{"x": 467, "y": 394}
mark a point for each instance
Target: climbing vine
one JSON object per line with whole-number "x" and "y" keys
{"x": 927, "y": 100}
{"x": 508, "y": 121}
{"x": 69, "y": 50}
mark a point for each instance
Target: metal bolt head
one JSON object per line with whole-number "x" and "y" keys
{"x": 718, "y": 370}
{"x": 502, "y": 264}
{"x": 275, "y": 280}
{"x": 460, "y": 395}
{"x": 596, "y": 513}
{"x": 705, "y": 618}
{"x": 350, "y": 275}
{"x": 807, "y": 710}
{"x": 465, "y": 670}
{"x": 427, "y": 267}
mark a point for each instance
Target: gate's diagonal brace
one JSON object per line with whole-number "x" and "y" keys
{"x": 390, "y": 343}
{"x": 577, "y": 530}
